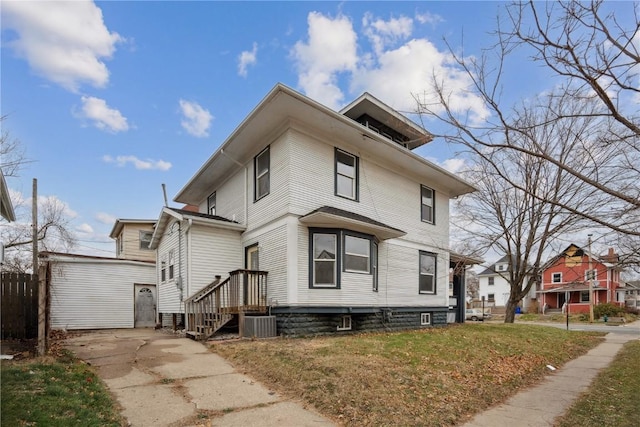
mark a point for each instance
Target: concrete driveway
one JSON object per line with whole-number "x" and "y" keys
{"x": 162, "y": 380}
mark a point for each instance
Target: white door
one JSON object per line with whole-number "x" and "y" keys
{"x": 145, "y": 306}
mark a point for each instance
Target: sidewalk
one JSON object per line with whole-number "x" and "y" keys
{"x": 162, "y": 380}
{"x": 541, "y": 405}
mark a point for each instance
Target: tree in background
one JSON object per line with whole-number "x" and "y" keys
{"x": 595, "y": 57}
{"x": 517, "y": 209}
{"x": 54, "y": 218}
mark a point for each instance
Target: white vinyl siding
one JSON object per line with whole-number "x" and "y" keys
{"x": 214, "y": 251}
{"x": 273, "y": 253}
{"x": 96, "y": 295}
{"x": 168, "y": 293}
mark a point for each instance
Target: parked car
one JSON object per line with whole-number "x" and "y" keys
{"x": 476, "y": 314}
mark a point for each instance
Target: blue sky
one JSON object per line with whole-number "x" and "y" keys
{"x": 112, "y": 99}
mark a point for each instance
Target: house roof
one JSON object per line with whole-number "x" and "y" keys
{"x": 368, "y": 105}
{"x": 283, "y": 107}
{"x": 328, "y": 216}
{"x": 464, "y": 259}
{"x": 167, "y": 214}
{"x": 575, "y": 286}
{"x": 574, "y": 250}
{"x": 120, "y": 223}
{"x": 6, "y": 207}
{"x": 58, "y": 256}
{"x": 491, "y": 270}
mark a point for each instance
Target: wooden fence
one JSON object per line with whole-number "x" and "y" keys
{"x": 19, "y": 305}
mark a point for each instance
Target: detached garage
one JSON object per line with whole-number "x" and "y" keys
{"x": 87, "y": 292}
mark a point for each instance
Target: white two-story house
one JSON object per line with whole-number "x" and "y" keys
{"x": 326, "y": 220}
{"x": 494, "y": 287}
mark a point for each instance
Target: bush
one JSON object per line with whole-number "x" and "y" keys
{"x": 632, "y": 310}
{"x": 607, "y": 309}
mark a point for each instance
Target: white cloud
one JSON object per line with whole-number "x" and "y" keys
{"x": 429, "y": 18}
{"x": 65, "y": 42}
{"x": 384, "y": 33}
{"x": 396, "y": 69}
{"x": 247, "y": 58}
{"x": 331, "y": 48}
{"x": 105, "y": 218}
{"x": 103, "y": 117}
{"x": 52, "y": 203}
{"x": 84, "y": 228}
{"x": 453, "y": 165}
{"x": 196, "y": 119}
{"x": 147, "y": 164}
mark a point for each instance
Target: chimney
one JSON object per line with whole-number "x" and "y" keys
{"x": 611, "y": 256}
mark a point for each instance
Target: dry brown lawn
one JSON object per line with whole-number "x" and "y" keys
{"x": 431, "y": 377}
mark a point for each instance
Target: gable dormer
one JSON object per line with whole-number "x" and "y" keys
{"x": 379, "y": 117}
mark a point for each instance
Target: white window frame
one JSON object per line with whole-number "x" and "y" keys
{"x": 142, "y": 235}
{"x": 366, "y": 256}
{"x": 171, "y": 264}
{"x": 340, "y": 172}
{"x": 345, "y": 323}
{"x": 433, "y": 275}
{"x": 582, "y": 299}
{"x": 491, "y": 281}
{"x": 554, "y": 275}
{"x": 336, "y": 270}
{"x": 587, "y": 276}
{"x": 425, "y": 319}
{"x": 429, "y": 203}
{"x": 261, "y": 175}
{"x": 211, "y": 204}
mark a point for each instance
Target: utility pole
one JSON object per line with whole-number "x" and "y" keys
{"x": 590, "y": 278}
{"x": 34, "y": 226}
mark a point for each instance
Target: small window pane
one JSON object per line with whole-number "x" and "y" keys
{"x": 324, "y": 272}
{"x": 356, "y": 263}
{"x": 345, "y": 186}
{"x": 427, "y": 213}
{"x": 427, "y": 264}
{"x": 324, "y": 246}
{"x": 263, "y": 185}
{"x": 345, "y": 160}
{"x": 426, "y": 284}
{"x": 263, "y": 163}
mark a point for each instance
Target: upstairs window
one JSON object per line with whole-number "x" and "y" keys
{"x": 590, "y": 275}
{"x": 211, "y": 204}
{"x": 492, "y": 281}
{"x": 427, "y": 279}
{"x": 171, "y": 263}
{"x": 427, "y": 202}
{"x": 163, "y": 269}
{"x": 262, "y": 174}
{"x": 145, "y": 239}
{"x": 556, "y": 278}
{"x": 346, "y": 184}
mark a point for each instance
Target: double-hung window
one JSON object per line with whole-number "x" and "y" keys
{"x": 492, "y": 281}
{"x": 346, "y": 175}
{"x": 211, "y": 204}
{"x": 590, "y": 275}
{"x": 427, "y": 279}
{"x": 427, "y": 204}
{"x": 584, "y": 296}
{"x": 325, "y": 260}
{"x": 357, "y": 254}
{"x": 262, "y": 174}
{"x": 171, "y": 263}
{"x": 145, "y": 239}
{"x": 163, "y": 269}
{"x": 556, "y": 278}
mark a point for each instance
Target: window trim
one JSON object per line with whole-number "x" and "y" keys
{"x": 171, "y": 264}
{"x": 142, "y": 233}
{"x": 582, "y": 293}
{"x": 211, "y": 205}
{"x": 356, "y": 178}
{"x": 337, "y": 260}
{"x": 434, "y": 275}
{"x": 345, "y": 323}
{"x": 344, "y": 253}
{"x": 491, "y": 297}
{"x": 425, "y": 319}
{"x": 256, "y": 196}
{"x": 432, "y": 207}
{"x": 553, "y": 276}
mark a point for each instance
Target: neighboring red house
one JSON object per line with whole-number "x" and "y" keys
{"x": 568, "y": 274}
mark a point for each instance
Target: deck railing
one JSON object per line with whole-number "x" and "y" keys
{"x": 213, "y": 306}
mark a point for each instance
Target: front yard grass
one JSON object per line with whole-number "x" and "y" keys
{"x": 612, "y": 399}
{"x": 54, "y": 392}
{"x": 431, "y": 377}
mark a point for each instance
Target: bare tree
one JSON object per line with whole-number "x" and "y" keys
{"x": 54, "y": 222}
{"x": 517, "y": 209}
{"x": 595, "y": 59}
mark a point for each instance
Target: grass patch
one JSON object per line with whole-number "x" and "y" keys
{"x": 612, "y": 399}
{"x": 431, "y": 377}
{"x": 54, "y": 392}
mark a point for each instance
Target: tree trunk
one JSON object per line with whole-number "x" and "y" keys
{"x": 510, "y": 314}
